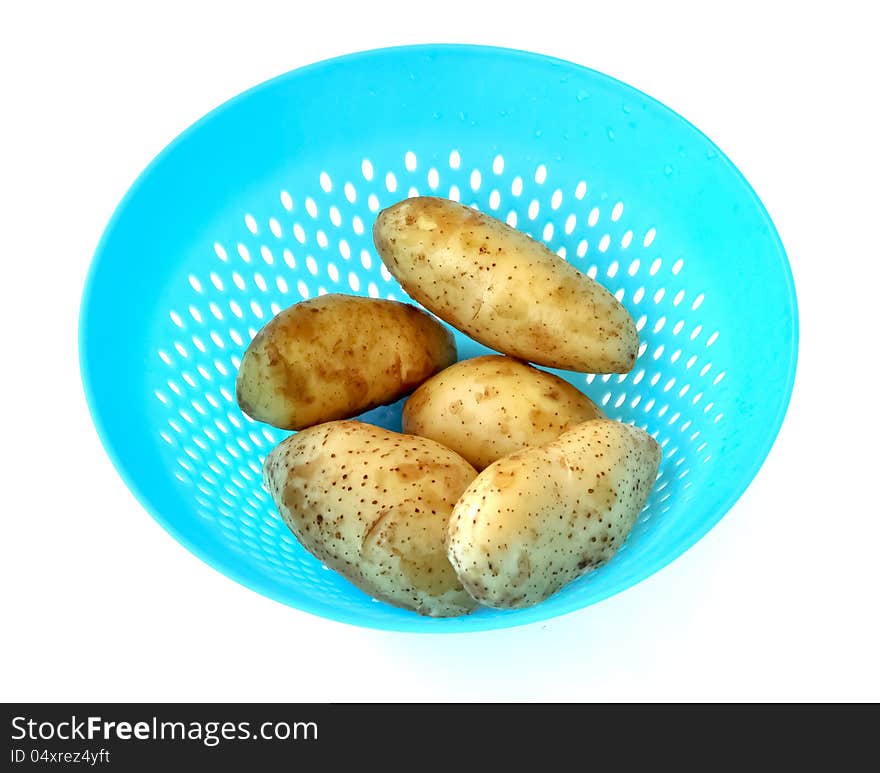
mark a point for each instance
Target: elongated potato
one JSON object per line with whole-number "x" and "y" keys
{"x": 492, "y": 406}
{"x": 374, "y": 505}
{"x": 536, "y": 520}
{"x": 336, "y": 356}
{"x": 503, "y": 288}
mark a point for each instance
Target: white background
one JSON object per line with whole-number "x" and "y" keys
{"x": 778, "y": 602}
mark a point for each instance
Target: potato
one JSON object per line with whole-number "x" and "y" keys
{"x": 540, "y": 518}
{"x": 492, "y": 406}
{"x": 336, "y": 356}
{"x": 374, "y": 505}
{"x": 503, "y": 288}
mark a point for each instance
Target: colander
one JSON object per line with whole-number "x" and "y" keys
{"x": 270, "y": 199}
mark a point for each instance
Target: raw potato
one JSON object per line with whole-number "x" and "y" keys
{"x": 336, "y": 356}
{"x": 536, "y": 520}
{"x": 492, "y": 406}
{"x": 374, "y": 505}
{"x": 503, "y": 288}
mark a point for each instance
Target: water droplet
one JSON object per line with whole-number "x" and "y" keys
{"x": 711, "y": 154}
{"x": 611, "y": 134}
{"x": 667, "y": 170}
{"x": 582, "y": 95}
{"x": 538, "y": 132}
{"x": 626, "y": 108}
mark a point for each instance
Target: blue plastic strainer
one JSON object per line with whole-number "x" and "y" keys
{"x": 270, "y": 199}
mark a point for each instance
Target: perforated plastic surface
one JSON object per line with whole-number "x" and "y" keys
{"x": 270, "y": 199}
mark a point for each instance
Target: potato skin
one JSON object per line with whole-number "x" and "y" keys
{"x": 492, "y": 406}
{"x": 534, "y": 521}
{"x": 503, "y": 288}
{"x": 335, "y": 356}
{"x": 374, "y": 505}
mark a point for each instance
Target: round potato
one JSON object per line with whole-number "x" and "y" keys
{"x": 374, "y": 505}
{"x": 335, "y": 356}
{"x": 503, "y": 288}
{"x": 492, "y": 406}
{"x": 536, "y": 520}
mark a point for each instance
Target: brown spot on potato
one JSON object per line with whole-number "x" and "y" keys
{"x": 603, "y": 491}
{"x": 487, "y": 393}
{"x": 541, "y": 338}
{"x": 523, "y": 567}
